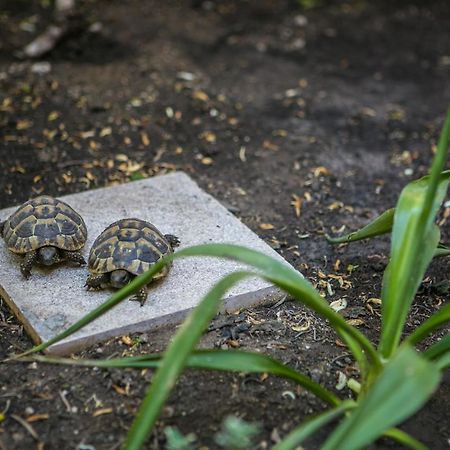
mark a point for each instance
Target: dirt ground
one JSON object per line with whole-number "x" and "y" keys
{"x": 268, "y": 107}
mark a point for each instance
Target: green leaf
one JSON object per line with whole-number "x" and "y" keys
{"x": 381, "y": 225}
{"x": 401, "y": 280}
{"x": 271, "y": 269}
{"x": 175, "y": 360}
{"x": 405, "y": 439}
{"x": 439, "y": 348}
{"x": 405, "y": 384}
{"x": 442, "y": 250}
{"x": 443, "y": 362}
{"x": 224, "y": 360}
{"x": 436, "y": 321}
{"x": 299, "y": 434}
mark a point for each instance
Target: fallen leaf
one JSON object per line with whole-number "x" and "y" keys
{"x": 200, "y": 95}
{"x": 266, "y": 226}
{"x": 37, "y": 417}
{"x": 102, "y": 411}
{"x": 145, "y": 139}
{"x": 297, "y": 204}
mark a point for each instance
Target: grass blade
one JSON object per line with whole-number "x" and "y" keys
{"x": 381, "y": 225}
{"x": 436, "y": 321}
{"x": 175, "y": 359}
{"x": 443, "y": 362}
{"x": 439, "y": 348}
{"x": 415, "y": 239}
{"x": 299, "y": 434}
{"x": 442, "y": 250}
{"x": 273, "y": 270}
{"x": 405, "y": 384}
{"x": 405, "y": 439}
{"x": 223, "y": 360}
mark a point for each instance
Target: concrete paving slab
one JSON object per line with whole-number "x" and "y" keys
{"x": 52, "y": 299}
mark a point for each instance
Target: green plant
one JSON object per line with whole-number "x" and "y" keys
{"x": 395, "y": 380}
{"x": 175, "y": 440}
{"x": 236, "y": 434}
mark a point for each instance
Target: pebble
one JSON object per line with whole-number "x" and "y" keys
{"x": 41, "y": 67}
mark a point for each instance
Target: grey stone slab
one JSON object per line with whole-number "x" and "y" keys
{"x": 52, "y": 299}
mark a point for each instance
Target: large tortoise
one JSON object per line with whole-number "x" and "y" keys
{"x": 125, "y": 249}
{"x": 47, "y": 231}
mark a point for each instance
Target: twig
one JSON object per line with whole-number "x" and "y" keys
{"x": 26, "y": 425}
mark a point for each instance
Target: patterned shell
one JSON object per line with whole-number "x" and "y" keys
{"x": 130, "y": 244}
{"x": 44, "y": 221}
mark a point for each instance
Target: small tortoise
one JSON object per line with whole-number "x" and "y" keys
{"x": 46, "y": 230}
{"x": 125, "y": 249}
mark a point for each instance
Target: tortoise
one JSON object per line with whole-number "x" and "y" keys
{"x": 47, "y": 231}
{"x": 125, "y": 249}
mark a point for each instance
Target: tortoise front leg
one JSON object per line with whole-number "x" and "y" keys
{"x": 75, "y": 257}
{"x": 141, "y": 296}
{"x": 96, "y": 281}
{"x": 28, "y": 262}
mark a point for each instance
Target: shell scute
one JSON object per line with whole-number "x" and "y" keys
{"x": 44, "y": 221}
{"x": 130, "y": 244}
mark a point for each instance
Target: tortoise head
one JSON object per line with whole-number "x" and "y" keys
{"x": 48, "y": 255}
{"x": 119, "y": 278}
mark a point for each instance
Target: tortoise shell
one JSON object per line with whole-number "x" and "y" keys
{"x": 44, "y": 221}
{"x": 130, "y": 244}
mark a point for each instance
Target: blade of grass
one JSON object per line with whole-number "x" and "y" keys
{"x": 405, "y": 439}
{"x": 223, "y": 360}
{"x": 275, "y": 271}
{"x": 381, "y": 225}
{"x": 415, "y": 238}
{"x": 299, "y": 434}
{"x": 405, "y": 384}
{"x": 175, "y": 359}
{"x": 438, "y": 349}
{"x": 402, "y": 279}
{"x": 442, "y": 250}
{"x": 443, "y": 362}
{"x": 436, "y": 321}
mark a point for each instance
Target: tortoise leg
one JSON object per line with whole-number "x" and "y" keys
{"x": 141, "y": 296}
{"x": 172, "y": 240}
{"x": 96, "y": 281}
{"x": 75, "y": 257}
{"x": 28, "y": 262}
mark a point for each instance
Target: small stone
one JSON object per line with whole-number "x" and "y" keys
{"x": 41, "y": 67}
{"x": 300, "y": 20}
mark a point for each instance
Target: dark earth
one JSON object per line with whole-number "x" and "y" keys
{"x": 302, "y": 122}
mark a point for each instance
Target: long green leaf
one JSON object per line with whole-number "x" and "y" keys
{"x": 401, "y": 281}
{"x": 405, "y": 384}
{"x": 436, "y": 321}
{"x": 381, "y": 225}
{"x": 405, "y": 439}
{"x": 224, "y": 360}
{"x": 273, "y": 270}
{"x": 175, "y": 359}
{"x": 442, "y": 250}
{"x": 414, "y": 241}
{"x": 299, "y": 434}
{"x": 443, "y": 362}
{"x": 439, "y": 348}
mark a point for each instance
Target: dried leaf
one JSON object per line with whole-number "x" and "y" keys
{"x": 297, "y": 204}
{"x": 102, "y": 411}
